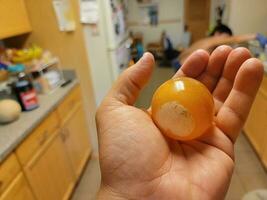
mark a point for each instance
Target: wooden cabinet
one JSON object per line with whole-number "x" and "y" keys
{"x": 74, "y": 131}
{"x": 49, "y": 173}
{"x": 14, "y": 19}
{"x": 256, "y": 124}
{"x": 38, "y": 138}
{"x": 45, "y": 161}
{"x": 8, "y": 171}
{"x": 18, "y": 190}
{"x": 48, "y": 163}
{"x": 264, "y": 156}
{"x": 13, "y": 185}
{"x": 76, "y": 140}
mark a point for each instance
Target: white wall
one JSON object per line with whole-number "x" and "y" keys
{"x": 168, "y": 10}
{"x": 248, "y": 16}
{"x": 96, "y": 44}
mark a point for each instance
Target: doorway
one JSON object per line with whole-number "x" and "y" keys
{"x": 197, "y": 17}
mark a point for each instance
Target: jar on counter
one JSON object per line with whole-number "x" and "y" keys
{"x": 25, "y": 93}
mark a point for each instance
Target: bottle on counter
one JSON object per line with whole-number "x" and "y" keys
{"x": 25, "y": 93}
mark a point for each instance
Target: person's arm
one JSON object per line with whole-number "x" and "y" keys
{"x": 233, "y": 39}
{"x": 201, "y": 44}
{"x": 211, "y": 43}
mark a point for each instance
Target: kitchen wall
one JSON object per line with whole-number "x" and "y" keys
{"x": 69, "y": 47}
{"x": 248, "y": 16}
{"x": 100, "y": 62}
{"x": 170, "y": 19}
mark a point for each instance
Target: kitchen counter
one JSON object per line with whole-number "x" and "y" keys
{"x": 11, "y": 135}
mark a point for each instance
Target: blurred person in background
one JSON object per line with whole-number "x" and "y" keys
{"x": 220, "y": 35}
{"x": 169, "y": 52}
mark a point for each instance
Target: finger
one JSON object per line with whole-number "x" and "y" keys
{"x": 225, "y": 84}
{"x": 215, "y": 67}
{"x": 194, "y": 65}
{"x": 233, "y": 113}
{"x": 126, "y": 89}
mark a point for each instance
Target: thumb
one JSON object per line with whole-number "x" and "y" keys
{"x": 127, "y": 87}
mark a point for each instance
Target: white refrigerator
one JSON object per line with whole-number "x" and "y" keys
{"x": 108, "y": 45}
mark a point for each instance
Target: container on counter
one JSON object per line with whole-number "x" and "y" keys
{"x": 25, "y": 93}
{"x": 47, "y": 77}
{"x": 14, "y": 70}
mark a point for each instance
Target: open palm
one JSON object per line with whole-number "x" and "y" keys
{"x": 138, "y": 162}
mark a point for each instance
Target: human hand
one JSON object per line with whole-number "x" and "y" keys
{"x": 138, "y": 162}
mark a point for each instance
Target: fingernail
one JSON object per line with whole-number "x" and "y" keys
{"x": 200, "y": 51}
{"x": 146, "y": 56}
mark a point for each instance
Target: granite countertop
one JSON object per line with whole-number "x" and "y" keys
{"x": 11, "y": 135}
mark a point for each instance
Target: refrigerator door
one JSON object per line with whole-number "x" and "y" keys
{"x": 115, "y": 12}
{"x": 120, "y": 59}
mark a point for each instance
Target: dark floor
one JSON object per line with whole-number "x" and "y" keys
{"x": 249, "y": 174}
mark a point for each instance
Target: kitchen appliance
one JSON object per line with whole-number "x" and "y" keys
{"x": 108, "y": 45}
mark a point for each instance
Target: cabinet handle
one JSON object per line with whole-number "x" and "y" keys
{"x": 63, "y": 134}
{"x": 43, "y": 138}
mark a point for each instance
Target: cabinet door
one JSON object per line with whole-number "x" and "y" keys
{"x": 9, "y": 169}
{"x": 197, "y": 17}
{"x": 264, "y": 155}
{"x": 256, "y": 125}
{"x": 14, "y": 19}
{"x": 18, "y": 190}
{"x": 76, "y": 139}
{"x": 50, "y": 174}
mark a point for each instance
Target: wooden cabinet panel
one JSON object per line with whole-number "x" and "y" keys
{"x": 263, "y": 88}
{"x": 14, "y": 19}
{"x": 38, "y": 138}
{"x": 70, "y": 103}
{"x": 264, "y": 155}
{"x": 50, "y": 175}
{"x": 256, "y": 125}
{"x": 263, "y": 91}
{"x": 76, "y": 139}
{"x": 8, "y": 171}
{"x": 18, "y": 190}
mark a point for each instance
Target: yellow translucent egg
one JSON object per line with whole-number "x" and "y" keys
{"x": 183, "y": 108}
